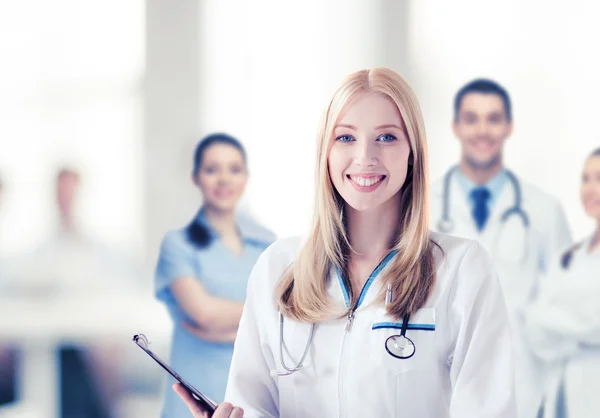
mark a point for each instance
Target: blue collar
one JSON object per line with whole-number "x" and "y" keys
{"x": 367, "y": 284}
{"x": 249, "y": 230}
{"x": 494, "y": 185}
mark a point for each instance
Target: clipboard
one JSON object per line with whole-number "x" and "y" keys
{"x": 204, "y": 401}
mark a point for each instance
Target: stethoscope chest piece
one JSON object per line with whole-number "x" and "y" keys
{"x": 400, "y": 346}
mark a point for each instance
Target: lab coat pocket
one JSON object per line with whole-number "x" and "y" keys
{"x": 420, "y": 331}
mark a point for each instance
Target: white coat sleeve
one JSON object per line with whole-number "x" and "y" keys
{"x": 564, "y": 318}
{"x": 250, "y": 385}
{"x": 481, "y": 351}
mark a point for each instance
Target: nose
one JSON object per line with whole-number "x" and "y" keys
{"x": 366, "y": 154}
{"x": 223, "y": 177}
{"x": 482, "y": 128}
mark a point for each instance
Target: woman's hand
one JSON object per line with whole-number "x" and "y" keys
{"x": 224, "y": 410}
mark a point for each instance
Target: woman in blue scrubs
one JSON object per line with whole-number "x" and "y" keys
{"x": 203, "y": 270}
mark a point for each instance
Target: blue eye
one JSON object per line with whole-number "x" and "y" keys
{"x": 387, "y": 138}
{"x": 344, "y": 138}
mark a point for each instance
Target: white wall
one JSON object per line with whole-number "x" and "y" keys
{"x": 268, "y": 71}
{"x": 544, "y": 53}
{"x": 69, "y": 79}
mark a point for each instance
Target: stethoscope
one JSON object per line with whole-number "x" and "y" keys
{"x": 398, "y": 346}
{"x": 446, "y": 225}
{"x": 300, "y": 365}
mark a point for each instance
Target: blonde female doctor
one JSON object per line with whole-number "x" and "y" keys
{"x": 563, "y": 322}
{"x": 373, "y": 314}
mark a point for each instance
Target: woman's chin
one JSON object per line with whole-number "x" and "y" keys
{"x": 223, "y": 205}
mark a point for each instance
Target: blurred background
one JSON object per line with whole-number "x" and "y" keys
{"x": 102, "y": 103}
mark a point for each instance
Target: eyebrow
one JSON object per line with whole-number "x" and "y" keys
{"x": 344, "y": 125}
{"x": 474, "y": 113}
{"x": 390, "y": 125}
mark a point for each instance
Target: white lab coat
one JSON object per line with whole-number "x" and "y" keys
{"x": 462, "y": 369}
{"x": 520, "y": 256}
{"x": 563, "y": 327}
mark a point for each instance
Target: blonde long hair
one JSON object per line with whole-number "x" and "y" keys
{"x": 301, "y": 294}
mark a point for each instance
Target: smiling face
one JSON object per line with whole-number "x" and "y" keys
{"x": 222, "y": 177}
{"x": 482, "y": 126}
{"x": 368, "y": 160}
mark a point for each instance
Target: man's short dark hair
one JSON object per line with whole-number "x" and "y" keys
{"x": 483, "y": 86}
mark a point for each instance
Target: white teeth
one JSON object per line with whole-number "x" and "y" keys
{"x": 366, "y": 182}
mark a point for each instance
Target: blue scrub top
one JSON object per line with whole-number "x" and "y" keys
{"x": 223, "y": 274}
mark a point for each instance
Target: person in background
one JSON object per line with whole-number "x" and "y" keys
{"x": 563, "y": 322}
{"x": 203, "y": 270}
{"x": 520, "y": 225}
{"x": 73, "y": 263}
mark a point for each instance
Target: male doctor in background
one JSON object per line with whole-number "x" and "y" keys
{"x": 519, "y": 224}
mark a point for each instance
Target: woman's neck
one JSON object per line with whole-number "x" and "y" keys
{"x": 373, "y": 232}
{"x": 223, "y": 222}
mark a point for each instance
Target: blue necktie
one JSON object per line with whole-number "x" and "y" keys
{"x": 480, "y": 197}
